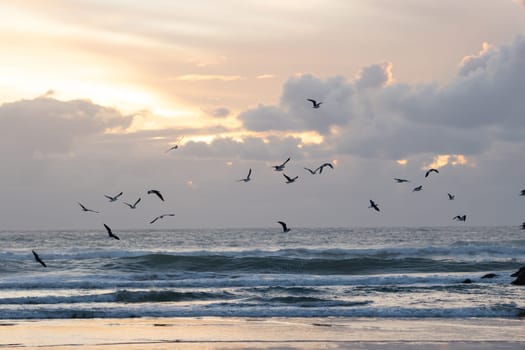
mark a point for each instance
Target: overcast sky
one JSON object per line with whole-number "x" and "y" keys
{"x": 93, "y": 93}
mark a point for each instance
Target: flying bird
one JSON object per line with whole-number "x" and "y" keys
{"x": 451, "y": 196}
{"x": 374, "y": 205}
{"x": 134, "y": 205}
{"x": 86, "y": 209}
{"x": 431, "y": 170}
{"x": 322, "y": 166}
{"x": 313, "y": 172}
{"x": 523, "y": 226}
{"x": 522, "y": 193}
{"x": 247, "y": 178}
{"x": 160, "y": 217}
{"x": 37, "y": 258}
{"x": 314, "y": 103}
{"x": 280, "y": 167}
{"x": 290, "y": 180}
{"x": 460, "y": 218}
{"x": 176, "y": 145}
{"x": 283, "y": 224}
{"x": 400, "y": 181}
{"x": 113, "y": 199}
{"x": 418, "y": 188}
{"x": 110, "y": 232}
{"x": 157, "y": 193}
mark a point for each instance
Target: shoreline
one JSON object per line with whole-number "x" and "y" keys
{"x": 264, "y": 333}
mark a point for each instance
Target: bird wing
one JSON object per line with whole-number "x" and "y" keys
{"x": 118, "y": 195}
{"x": 108, "y": 229}
{"x": 129, "y": 205}
{"x": 152, "y": 221}
{"x": 108, "y": 197}
{"x": 314, "y": 102}
{"x": 83, "y": 207}
{"x": 249, "y": 173}
{"x": 328, "y": 165}
{"x": 287, "y": 178}
{"x": 283, "y": 224}
{"x": 137, "y": 202}
{"x": 310, "y": 170}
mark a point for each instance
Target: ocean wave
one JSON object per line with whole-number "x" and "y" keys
{"x": 248, "y": 310}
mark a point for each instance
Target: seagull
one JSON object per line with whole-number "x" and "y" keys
{"x": 247, "y": 177}
{"x": 431, "y": 170}
{"x": 37, "y": 258}
{"x": 281, "y": 166}
{"x": 374, "y": 205}
{"x": 86, "y": 209}
{"x": 324, "y": 165}
{"x": 400, "y": 181}
{"x": 460, "y": 218}
{"x": 290, "y": 180}
{"x": 175, "y": 146}
{"x": 522, "y": 193}
{"x": 134, "y": 205}
{"x": 283, "y": 224}
{"x": 113, "y": 199}
{"x": 315, "y": 103}
{"x": 156, "y": 193}
{"x": 110, "y": 232}
{"x": 418, "y": 188}
{"x": 160, "y": 217}
{"x": 313, "y": 172}
{"x": 451, "y": 196}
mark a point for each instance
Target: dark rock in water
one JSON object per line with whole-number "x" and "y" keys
{"x": 520, "y": 278}
{"x": 489, "y": 275}
{"x": 521, "y": 270}
{"x": 468, "y": 280}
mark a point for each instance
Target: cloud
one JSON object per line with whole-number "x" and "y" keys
{"x": 220, "y": 112}
{"x": 372, "y": 116}
{"x": 265, "y": 76}
{"x": 376, "y": 75}
{"x": 48, "y": 125}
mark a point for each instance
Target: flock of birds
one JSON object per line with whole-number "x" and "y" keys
{"x": 280, "y": 168}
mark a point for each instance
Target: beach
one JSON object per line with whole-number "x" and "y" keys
{"x": 263, "y": 333}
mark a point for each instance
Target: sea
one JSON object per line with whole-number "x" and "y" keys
{"x": 307, "y": 272}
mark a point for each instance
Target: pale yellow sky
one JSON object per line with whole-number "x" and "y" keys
{"x": 179, "y": 61}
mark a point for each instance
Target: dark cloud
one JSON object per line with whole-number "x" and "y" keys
{"x": 48, "y": 125}
{"x": 375, "y": 117}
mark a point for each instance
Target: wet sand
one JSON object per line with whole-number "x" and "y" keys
{"x": 263, "y": 333}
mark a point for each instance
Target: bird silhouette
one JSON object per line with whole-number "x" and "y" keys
{"x": 451, "y": 196}
{"x": 523, "y": 226}
{"x": 322, "y": 166}
{"x": 460, "y": 218}
{"x": 522, "y": 193}
{"x": 313, "y": 172}
{"x": 400, "y": 181}
{"x": 290, "y": 180}
{"x": 315, "y": 104}
{"x": 247, "y": 178}
{"x": 113, "y": 199}
{"x": 374, "y": 205}
{"x": 110, "y": 232}
{"x": 134, "y": 205}
{"x": 283, "y": 224}
{"x": 280, "y": 167}
{"x": 87, "y": 210}
{"x": 176, "y": 145}
{"x": 430, "y": 171}
{"x": 418, "y": 188}
{"x": 157, "y": 193}
{"x": 37, "y": 258}
{"x": 160, "y": 217}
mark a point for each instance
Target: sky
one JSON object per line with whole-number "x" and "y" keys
{"x": 93, "y": 94}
